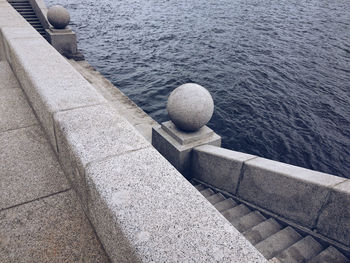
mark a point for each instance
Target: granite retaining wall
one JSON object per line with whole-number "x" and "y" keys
{"x": 142, "y": 209}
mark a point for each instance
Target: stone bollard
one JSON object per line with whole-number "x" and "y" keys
{"x": 190, "y": 107}
{"x": 59, "y": 35}
{"x": 58, "y": 17}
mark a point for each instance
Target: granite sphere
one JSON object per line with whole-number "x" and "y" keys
{"x": 58, "y": 17}
{"x": 190, "y": 107}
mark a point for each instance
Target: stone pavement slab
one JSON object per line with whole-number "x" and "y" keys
{"x": 49, "y": 81}
{"x": 52, "y": 229}
{"x": 28, "y": 167}
{"x": 15, "y": 111}
{"x": 8, "y": 80}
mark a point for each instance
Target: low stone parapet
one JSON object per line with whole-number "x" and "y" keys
{"x": 218, "y": 166}
{"x": 142, "y": 209}
{"x": 312, "y": 199}
{"x": 334, "y": 217}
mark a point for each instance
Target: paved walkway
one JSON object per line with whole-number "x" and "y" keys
{"x": 41, "y": 219}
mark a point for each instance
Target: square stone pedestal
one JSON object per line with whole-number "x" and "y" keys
{"x": 176, "y": 145}
{"x": 64, "y": 40}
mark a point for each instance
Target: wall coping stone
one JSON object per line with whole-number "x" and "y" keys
{"x": 218, "y": 166}
{"x": 334, "y": 218}
{"x": 294, "y": 192}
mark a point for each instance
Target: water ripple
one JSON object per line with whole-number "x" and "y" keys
{"x": 279, "y": 70}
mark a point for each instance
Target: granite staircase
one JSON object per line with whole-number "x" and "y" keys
{"x": 276, "y": 241}
{"x": 25, "y": 9}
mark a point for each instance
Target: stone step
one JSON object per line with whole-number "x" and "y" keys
{"x": 25, "y": 4}
{"x": 200, "y": 187}
{"x": 226, "y": 204}
{"x": 24, "y": 9}
{"x": 330, "y": 254}
{"x": 207, "y": 192}
{"x": 213, "y": 199}
{"x": 29, "y": 16}
{"x": 248, "y": 221}
{"x": 40, "y": 30}
{"x": 276, "y": 243}
{"x": 262, "y": 231}
{"x": 33, "y": 19}
{"x": 20, "y": 5}
{"x": 26, "y": 12}
{"x": 18, "y": 1}
{"x": 301, "y": 251}
{"x": 236, "y": 212}
{"x": 274, "y": 260}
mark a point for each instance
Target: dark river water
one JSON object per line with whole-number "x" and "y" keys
{"x": 278, "y": 70}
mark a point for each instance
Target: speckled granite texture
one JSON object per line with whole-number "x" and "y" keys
{"x": 15, "y": 111}
{"x": 41, "y": 219}
{"x": 28, "y": 167}
{"x": 155, "y": 215}
{"x": 52, "y": 229}
{"x": 49, "y": 81}
{"x": 293, "y": 192}
{"x": 141, "y": 207}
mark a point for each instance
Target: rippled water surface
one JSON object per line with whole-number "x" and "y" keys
{"x": 278, "y": 70}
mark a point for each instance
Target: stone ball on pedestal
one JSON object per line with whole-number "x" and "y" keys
{"x": 190, "y": 107}
{"x": 58, "y": 17}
